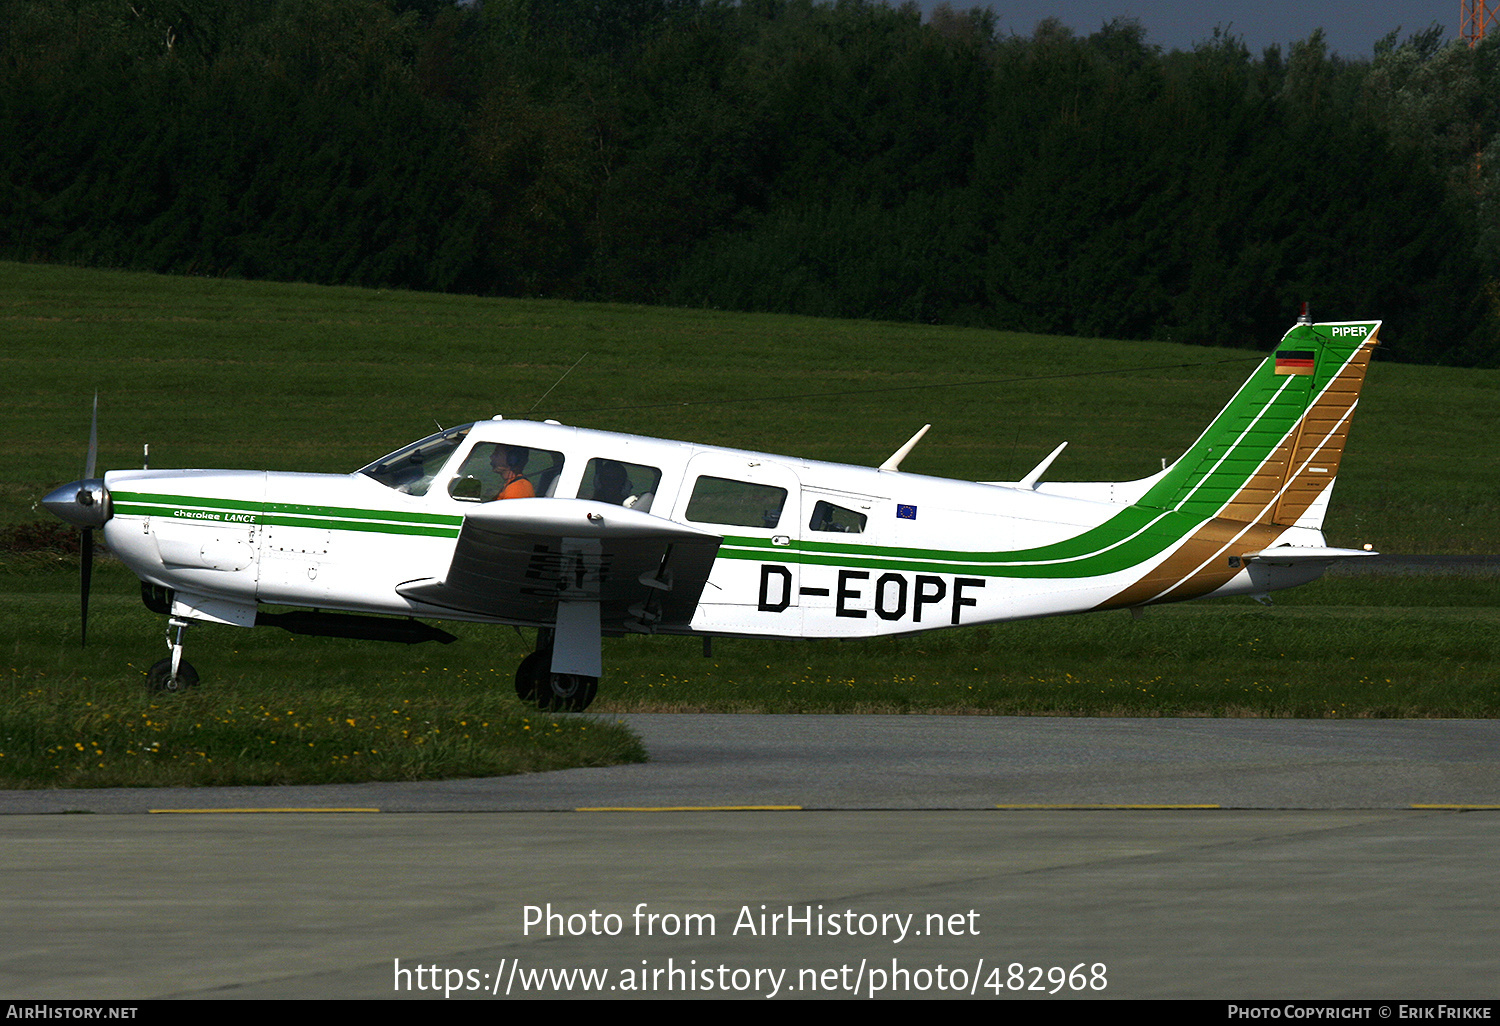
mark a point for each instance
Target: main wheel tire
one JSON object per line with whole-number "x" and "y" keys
{"x": 567, "y": 692}
{"x": 532, "y": 674}
{"x": 159, "y": 677}
{"x": 537, "y": 685}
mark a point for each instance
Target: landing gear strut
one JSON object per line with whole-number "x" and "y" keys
{"x": 173, "y": 673}
{"x": 552, "y": 692}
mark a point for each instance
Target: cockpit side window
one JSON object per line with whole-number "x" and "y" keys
{"x": 499, "y": 470}
{"x": 412, "y": 469}
{"x": 828, "y": 517}
{"x": 622, "y": 484}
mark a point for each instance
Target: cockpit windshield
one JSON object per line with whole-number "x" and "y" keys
{"x": 412, "y": 469}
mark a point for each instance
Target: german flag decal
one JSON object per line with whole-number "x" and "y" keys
{"x": 1294, "y": 361}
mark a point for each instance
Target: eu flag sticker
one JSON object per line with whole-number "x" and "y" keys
{"x": 906, "y": 512}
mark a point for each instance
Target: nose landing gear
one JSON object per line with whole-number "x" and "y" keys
{"x": 173, "y": 673}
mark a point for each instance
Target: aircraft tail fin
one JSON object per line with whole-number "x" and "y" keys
{"x": 1271, "y": 455}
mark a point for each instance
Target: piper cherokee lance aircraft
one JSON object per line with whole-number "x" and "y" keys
{"x": 583, "y": 533}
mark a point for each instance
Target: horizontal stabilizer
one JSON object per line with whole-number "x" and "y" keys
{"x": 1298, "y": 555}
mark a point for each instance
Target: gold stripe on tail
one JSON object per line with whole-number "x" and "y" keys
{"x": 1275, "y": 497}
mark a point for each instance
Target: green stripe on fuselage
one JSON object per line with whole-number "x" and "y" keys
{"x": 286, "y": 514}
{"x": 1128, "y": 539}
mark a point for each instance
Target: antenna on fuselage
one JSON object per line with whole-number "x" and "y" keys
{"x": 1031, "y": 479}
{"x": 894, "y": 463}
{"x": 559, "y": 381}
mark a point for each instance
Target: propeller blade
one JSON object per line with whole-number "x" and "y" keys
{"x": 86, "y": 551}
{"x": 86, "y": 575}
{"x": 88, "y": 469}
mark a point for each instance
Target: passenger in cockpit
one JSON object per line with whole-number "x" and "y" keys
{"x": 611, "y": 483}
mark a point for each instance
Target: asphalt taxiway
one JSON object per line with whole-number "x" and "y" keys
{"x": 1168, "y": 858}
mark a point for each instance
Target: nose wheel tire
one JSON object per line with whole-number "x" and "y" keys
{"x": 159, "y": 677}
{"x": 553, "y": 692}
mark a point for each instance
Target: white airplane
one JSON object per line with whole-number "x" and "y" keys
{"x": 583, "y": 533}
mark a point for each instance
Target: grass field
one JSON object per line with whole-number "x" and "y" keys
{"x": 278, "y": 708}
{"x": 216, "y": 373}
{"x": 237, "y": 374}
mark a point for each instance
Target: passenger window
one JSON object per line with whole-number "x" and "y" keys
{"x": 828, "y": 517}
{"x": 495, "y": 470}
{"x": 621, "y": 484}
{"x": 717, "y": 500}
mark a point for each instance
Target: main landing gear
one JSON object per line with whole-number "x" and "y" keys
{"x": 552, "y": 692}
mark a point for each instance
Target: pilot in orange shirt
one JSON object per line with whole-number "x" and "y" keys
{"x": 508, "y": 463}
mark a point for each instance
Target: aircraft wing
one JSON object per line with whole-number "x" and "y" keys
{"x": 517, "y": 559}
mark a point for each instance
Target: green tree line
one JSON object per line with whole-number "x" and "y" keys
{"x": 846, "y": 159}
